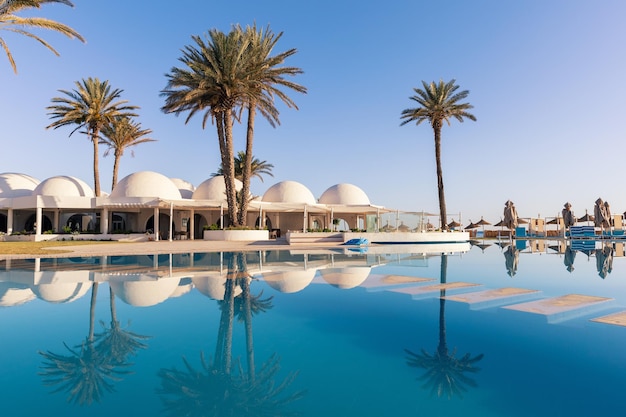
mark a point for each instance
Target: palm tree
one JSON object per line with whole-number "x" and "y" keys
{"x": 213, "y": 83}
{"x": 257, "y": 168}
{"x": 445, "y": 374}
{"x": 91, "y": 105}
{"x": 12, "y": 23}
{"x": 120, "y": 134}
{"x": 265, "y": 80}
{"x": 438, "y": 103}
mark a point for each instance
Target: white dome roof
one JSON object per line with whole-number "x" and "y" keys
{"x": 12, "y": 294}
{"x": 145, "y": 293}
{"x": 213, "y": 285}
{"x": 16, "y": 185}
{"x": 214, "y": 189}
{"x": 347, "y": 194}
{"x": 62, "y": 292}
{"x": 289, "y": 281}
{"x": 289, "y": 192}
{"x": 63, "y": 186}
{"x": 185, "y": 187}
{"x": 345, "y": 278}
{"x": 146, "y": 184}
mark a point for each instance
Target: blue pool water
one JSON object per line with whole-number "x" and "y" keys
{"x": 328, "y": 332}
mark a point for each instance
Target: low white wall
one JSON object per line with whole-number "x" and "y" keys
{"x": 242, "y": 235}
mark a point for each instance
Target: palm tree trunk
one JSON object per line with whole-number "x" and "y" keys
{"x": 443, "y": 345}
{"x": 96, "y": 168}
{"x": 442, "y": 199}
{"x": 116, "y": 167}
{"x": 112, "y": 306}
{"x": 247, "y": 168}
{"x": 92, "y": 310}
{"x": 228, "y": 155}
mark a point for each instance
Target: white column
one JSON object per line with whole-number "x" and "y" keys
{"x": 10, "y": 221}
{"x": 38, "y": 220}
{"x": 56, "y": 225}
{"x": 191, "y": 224}
{"x": 171, "y": 234}
{"x": 156, "y": 223}
{"x": 104, "y": 221}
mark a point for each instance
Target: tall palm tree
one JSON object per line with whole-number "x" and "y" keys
{"x": 10, "y": 22}
{"x": 266, "y": 78}
{"x": 120, "y": 134}
{"x": 212, "y": 82}
{"x": 91, "y": 105}
{"x": 258, "y": 168}
{"x": 438, "y": 103}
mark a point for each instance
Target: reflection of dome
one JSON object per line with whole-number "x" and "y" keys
{"x": 213, "y": 285}
{"x": 347, "y": 194}
{"x": 214, "y": 189}
{"x": 146, "y": 184}
{"x": 64, "y": 292}
{"x": 289, "y": 192}
{"x": 289, "y": 281}
{"x": 144, "y": 293}
{"x": 16, "y": 185}
{"x": 184, "y": 286}
{"x": 64, "y": 186}
{"x": 185, "y": 188}
{"x": 12, "y": 294}
{"x": 348, "y": 277}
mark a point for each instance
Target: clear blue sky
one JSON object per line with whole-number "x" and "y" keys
{"x": 546, "y": 79}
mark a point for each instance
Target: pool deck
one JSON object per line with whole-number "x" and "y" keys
{"x": 166, "y": 247}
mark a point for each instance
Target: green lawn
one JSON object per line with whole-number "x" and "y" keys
{"x": 41, "y": 248}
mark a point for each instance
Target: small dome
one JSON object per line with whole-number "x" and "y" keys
{"x": 214, "y": 189}
{"x": 146, "y": 184}
{"x": 16, "y": 185}
{"x": 63, "y": 186}
{"x": 289, "y": 192}
{"x": 185, "y": 187}
{"x": 346, "y": 194}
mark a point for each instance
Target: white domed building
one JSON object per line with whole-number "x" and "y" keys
{"x": 149, "y": 205}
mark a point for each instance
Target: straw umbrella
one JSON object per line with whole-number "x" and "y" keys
{"x": 454, "y": 224}
{"x": 482, "y": 223}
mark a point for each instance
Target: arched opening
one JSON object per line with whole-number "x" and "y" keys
{"x": 199, "y": 222}
{"x": 268, "y": 223}
{"x": 118, "y": 223}
{"x": 164, "y": 226}
{"x": 30, "y": 224}
{"x": 80, "y": 222}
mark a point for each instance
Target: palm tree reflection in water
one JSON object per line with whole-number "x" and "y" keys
{"x": 445, "y": 374}
{"x": 221, "y": 387}
{"x": 88, "y": 373}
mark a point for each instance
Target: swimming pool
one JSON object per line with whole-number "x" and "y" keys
{"x": 474, "y": 330}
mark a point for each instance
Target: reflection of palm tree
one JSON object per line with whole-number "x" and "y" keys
{"x": 445, "y": 374}
{"x": 221, "y": 387}
{"x": 117, "y": 343}
{"x": 87, "y": 373}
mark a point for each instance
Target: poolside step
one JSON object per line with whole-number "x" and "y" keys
{"x": 566, "y": 307}
{"x": 617, "y": 319}
{"x": 379, "y": 282}
{"x": 494, "y": 298}
{"x": 427, "y": 291}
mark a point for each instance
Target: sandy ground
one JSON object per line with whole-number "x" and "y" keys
{"x": 165, "y": 246}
